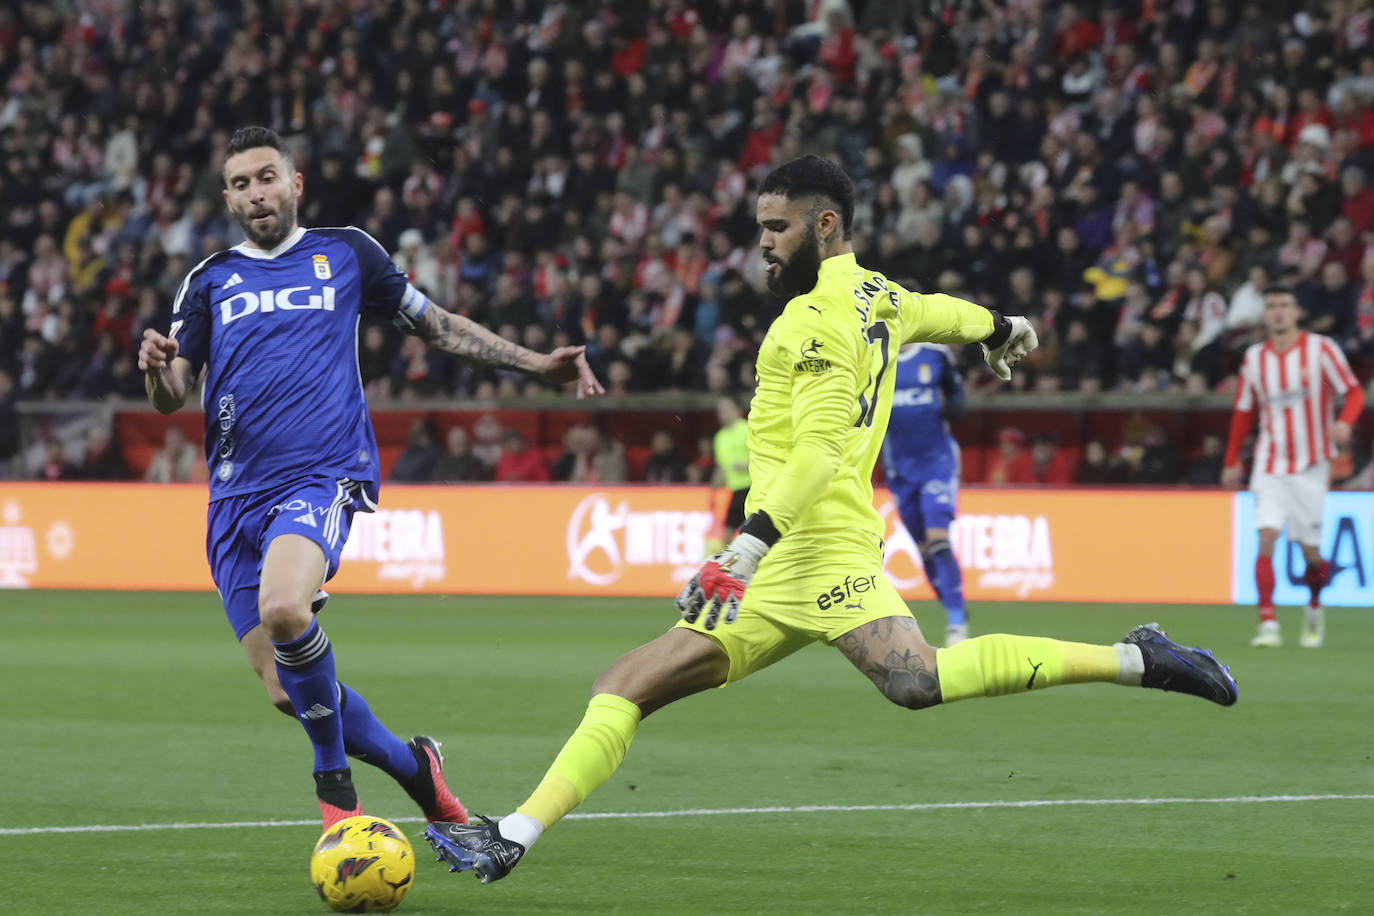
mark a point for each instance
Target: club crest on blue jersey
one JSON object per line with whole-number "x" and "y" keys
{"x": 321, "y": 263}
{"x": 923, "y": 373}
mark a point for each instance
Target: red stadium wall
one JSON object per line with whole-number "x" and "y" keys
{"x": 1064, "y": 545}
{"x": 141, "y": 432}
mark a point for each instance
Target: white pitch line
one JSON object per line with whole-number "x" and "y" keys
{"x": 716, "y": 812}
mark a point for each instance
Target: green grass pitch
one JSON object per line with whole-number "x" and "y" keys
{"x": 138, "y": 709}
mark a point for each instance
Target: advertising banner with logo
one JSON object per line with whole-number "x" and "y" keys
{"x": 1347, "y": 543}
{"x": 529, "y": 540}
{"x": 1061, "y": 545}
{"x": 1078, "y": 545}
{"x": 96, "y": 535}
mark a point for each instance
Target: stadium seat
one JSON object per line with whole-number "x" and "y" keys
{"x": 973, "y": 462}
{"x": 636, "y": 457}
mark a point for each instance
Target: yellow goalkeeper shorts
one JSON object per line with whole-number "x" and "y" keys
{"x": 796, "y": 599}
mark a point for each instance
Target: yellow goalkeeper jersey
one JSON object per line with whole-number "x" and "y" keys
{"x": 825, "y": 381}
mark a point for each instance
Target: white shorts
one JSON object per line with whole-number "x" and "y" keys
{"x": 1292, "y": 500}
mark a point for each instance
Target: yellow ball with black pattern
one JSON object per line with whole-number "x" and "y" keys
{"x": 362, "y": 864}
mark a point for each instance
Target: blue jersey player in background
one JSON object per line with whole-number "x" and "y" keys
{"x": 921, "y": 462}
{"x": 289, "y": 443}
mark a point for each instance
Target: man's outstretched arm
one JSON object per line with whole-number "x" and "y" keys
{"x": 941, "y": 318}
{"x": 463, "y": 337}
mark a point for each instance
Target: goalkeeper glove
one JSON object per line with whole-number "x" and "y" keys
{"x": 1011, "y": 340}
{"x": 720, "y": 583}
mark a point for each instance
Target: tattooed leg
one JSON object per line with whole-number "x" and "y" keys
{"x": 892, "y": 653}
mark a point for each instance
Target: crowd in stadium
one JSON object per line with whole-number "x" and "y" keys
{"x": 1128, "y": 174}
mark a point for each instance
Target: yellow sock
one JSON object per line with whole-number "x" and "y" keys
{"x": 993, "y": 665}
{"x": 591, "y": 755}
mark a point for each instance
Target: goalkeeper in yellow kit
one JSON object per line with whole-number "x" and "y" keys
{"x": 807, "y": 564}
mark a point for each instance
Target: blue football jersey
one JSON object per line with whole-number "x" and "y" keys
{"x": 928, "y": 392}
{"x": 278, "y": 333}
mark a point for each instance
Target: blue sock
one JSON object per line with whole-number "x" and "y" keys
{"x": 948, "y": 580}
{"x": 305, "y": 667}
{"x": 932, "y": 573}
{"x": 366, "y": 738}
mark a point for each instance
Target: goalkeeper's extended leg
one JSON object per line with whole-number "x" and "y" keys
{"x": 911, "y": 673}
{"x": 677, "y": 664}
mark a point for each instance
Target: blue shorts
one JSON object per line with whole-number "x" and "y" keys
{"x": 927, "y": 504}
{"x": 240, "y": 528}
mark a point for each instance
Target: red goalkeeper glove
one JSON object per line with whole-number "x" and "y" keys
{"x": 720, "y": 583}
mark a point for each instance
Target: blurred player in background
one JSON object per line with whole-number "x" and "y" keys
{"x": 1290, "y": 382}
{"x": 290, "y": 445}
{"x": 730, "y": 447}
{"x": 813, "y": 537}
{"x": 921, "y": 463}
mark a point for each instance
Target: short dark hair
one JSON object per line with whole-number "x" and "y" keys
{"x": 246, "y": 138}
{"x": 811, "y": 175}
{"x": 1278, "y": 289}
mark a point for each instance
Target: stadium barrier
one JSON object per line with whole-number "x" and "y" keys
{"x": 1070, "y": 419}
{"x": 1064, "y": 545}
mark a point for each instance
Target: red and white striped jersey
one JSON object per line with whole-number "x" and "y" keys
{"x": 1293, "y": 392}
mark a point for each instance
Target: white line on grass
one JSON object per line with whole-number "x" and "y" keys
{"x": 779, "y": 809}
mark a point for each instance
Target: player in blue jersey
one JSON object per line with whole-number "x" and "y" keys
{"x": 289, "y": 443}
{"x": 921, "y": 461}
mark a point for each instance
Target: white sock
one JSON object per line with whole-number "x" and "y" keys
{"x": 521, "y": 828}
{"x": 1132, "y": 664}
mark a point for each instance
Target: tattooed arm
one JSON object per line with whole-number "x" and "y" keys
{"x": 466, "y": 338}
{"x": 460, "y": 336}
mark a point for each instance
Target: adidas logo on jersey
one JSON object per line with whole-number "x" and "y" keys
{"x": 306, "y": 519}
{"x": 235, "y": 280}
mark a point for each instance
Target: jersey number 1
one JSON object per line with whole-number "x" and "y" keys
{"x": 868, "y": 398}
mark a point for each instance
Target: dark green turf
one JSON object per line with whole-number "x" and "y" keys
{"x": 139, "y": 709}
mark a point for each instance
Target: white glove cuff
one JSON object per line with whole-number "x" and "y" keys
{"x": 749, "y": 548}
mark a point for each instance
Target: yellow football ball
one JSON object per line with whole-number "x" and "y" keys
{"x": 362, "y": 864}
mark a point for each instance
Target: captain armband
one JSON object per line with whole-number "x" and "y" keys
{"x": 413, "y": 305}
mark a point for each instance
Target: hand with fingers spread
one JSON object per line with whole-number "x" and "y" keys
{"x": 569, "y": 364}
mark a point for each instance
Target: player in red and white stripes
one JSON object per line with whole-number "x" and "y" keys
{"x": 1290, "y": 383}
